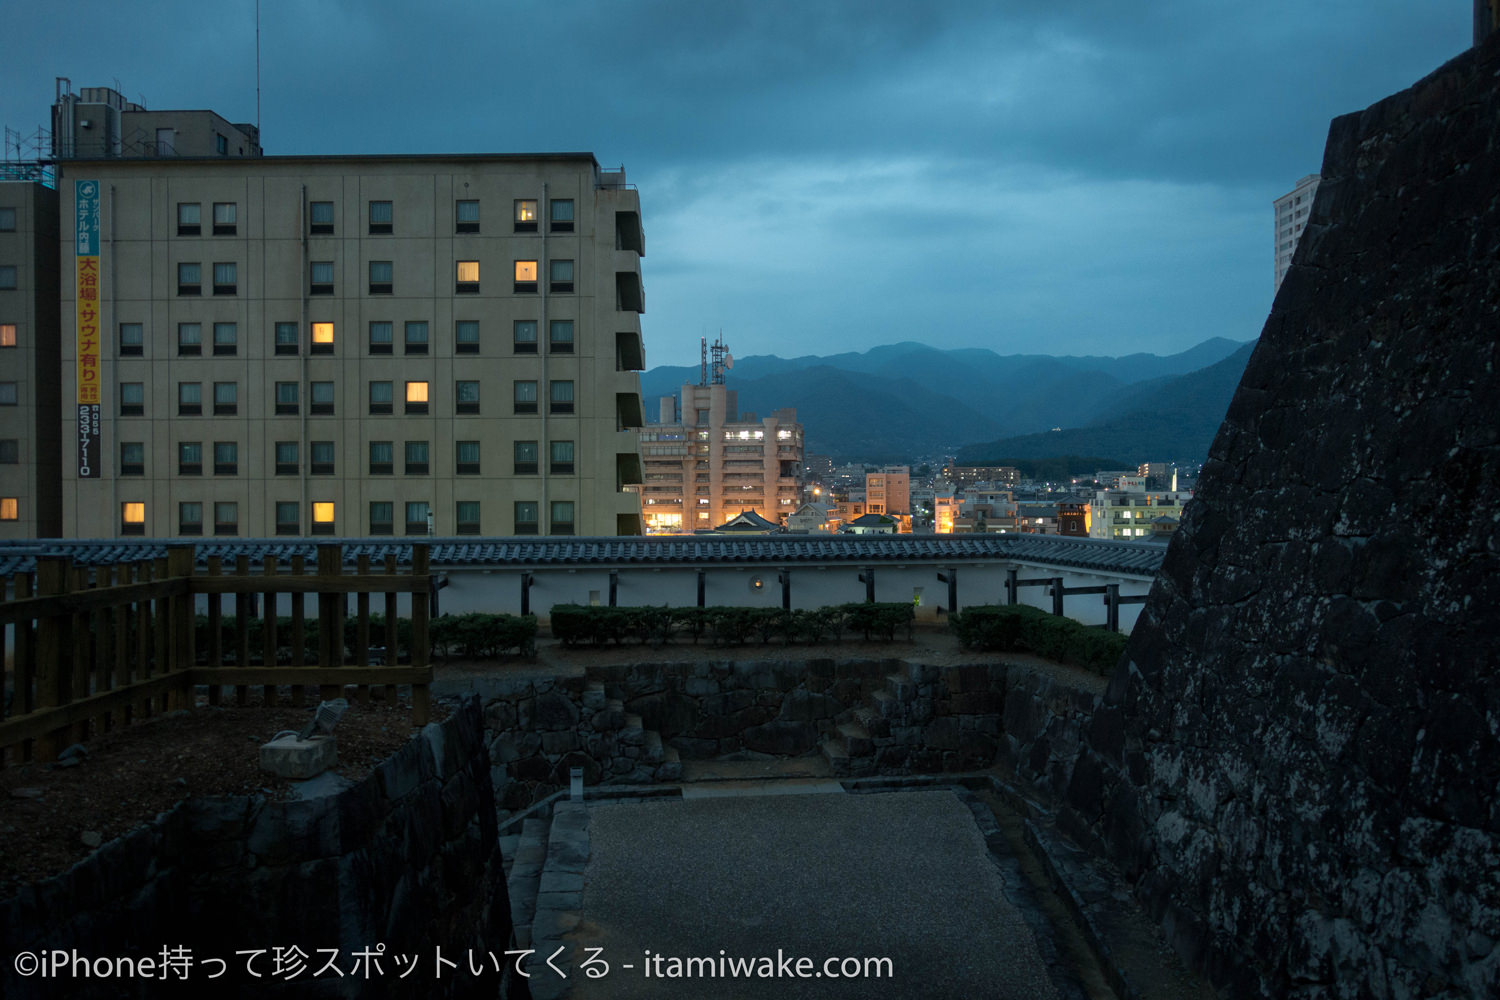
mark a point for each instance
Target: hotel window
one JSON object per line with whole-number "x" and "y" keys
{"x": 132, "y": 458}
{"x": 526, "y": 517}
{"x": 381, "y": 514}
{"x": 466, "y": 397}
{"x": 466, "y": 217}
{"x": 525, "y": 458}
{"x": 562, "y": 458}
{"x": 525, "y": 336}
{"x": 562, "y": 518}
{"x": 132, "y": 397}
{"x": 7, "y": 335}
{"x": 322, "y": 517}
{"x": 381, "y": 397}
{"x": 286, "y": 338}
{"x": 189, "y": 279}
{"x": 416, "y": 337}
{"x": 526, "y": 215}
{"x": 320, "y": 218}
{"x": 380, "y": 338}
{"x": 466, "y": 336}
{"x": 226, "y": 338}
{"x": 189, "y": 399}
{"x": 189, "y": 339}
{"x": 286, "y": 398}
{"x": 286, "y": 458}
{"x": 287, "y": 518}
{"x": 190, "y": 458}
{"x": 132, "y": 340}
{"x": 561, "y": 273}
{"x": 226, "y": 458}
{"x": 226, "y": 399}
{"x": 468, "y": 517}
{"x": 417, "y": 512}
{"x": 561, "y": 396}
{"x": 416, "y": 397}
{"x": 322, "y": 458}
{"x": 226, "y": 518}
{"x": 320, "y": 277}
{"x": 560, "y": 336}
{"x": 381, "y": 458}
{"x": 322, "y": 338}
{"x": 320, "y": 395}
{"x": 525, "y": 395}
{"x": 416, "y": 458}
{"x": 190, "y": 518}
{"x": 226, "y": 278}
{"x": 189, "y": 219}
{"x": 132, "y": 518}
{"x": 10, "y": 508}
{"x": 10, "y": 451}
{"x": 468, "y": 458}
{"x": 7, "y": 220}
{"x": 381, "y": 218}
{"x": 467, "y": 277}
{"x": 380, "y": 277}
{"x": 525, "y": 277}
{"x": 224, "y": 218}
{"x": 7, "y": 277}
{"x": 562, "y": 215}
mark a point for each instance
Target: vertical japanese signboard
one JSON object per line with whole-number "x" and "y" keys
{"x": 87, "y": 253}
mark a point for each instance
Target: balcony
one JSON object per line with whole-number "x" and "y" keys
{"x": 630, "y": 356}
{"x": 628, "y": 410}
{"x": 630, "y": 294}
{"x": 629, "y": 235}
{"x": 628, "y": 471}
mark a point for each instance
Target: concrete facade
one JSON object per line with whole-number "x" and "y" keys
{"x": 1292, "y": 210}
{"x": 347, "y": 345}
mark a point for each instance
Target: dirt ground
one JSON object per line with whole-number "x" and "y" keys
{"x": 53, "y": 815}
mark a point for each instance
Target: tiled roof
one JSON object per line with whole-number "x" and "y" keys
{"x": 1133, "y": 558}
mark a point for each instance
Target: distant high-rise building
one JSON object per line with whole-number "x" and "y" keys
{"x": 1291, "y": 219}
{"x": 889, "y": 490}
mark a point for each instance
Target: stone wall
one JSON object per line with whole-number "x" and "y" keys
{"x": 1298, "y": 760}
{"x": 407, "y": 858}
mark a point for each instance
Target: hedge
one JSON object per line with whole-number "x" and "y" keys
{"x": 1022, "y": 627}
{"x": 470, "y": 636}
{"x": 578, "y": 624}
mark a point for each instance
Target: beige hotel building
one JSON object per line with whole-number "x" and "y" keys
{"x": 352, "y": 345}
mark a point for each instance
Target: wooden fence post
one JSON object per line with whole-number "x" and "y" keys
{"x": 180, "y": 659}
{"x": 392, "y": 635}
{"x": 80, "y": 684}
{"x": 362, "y": 626}
{"x": 421, "y": 696}
{"x": 215, "y": 630}
{"x": 299, "y": 630}
{"x": 268, "y": 644}
{"x": 51, "y": 581}
{"x": 242, "y": 605}
{"x": 330, "y": 643}
{"x": 25, "y": 665}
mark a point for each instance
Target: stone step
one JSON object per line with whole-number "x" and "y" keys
{"x": 653, "y": 752}
{"x": 856, "y": 740}
{"x": 632, "y": 734}
{"x": 885, "y": 704}
{"x": 508, "y": 845}
{"x": 876, "y": 724}
{"x": 670, "y": 768}
{"x": 903, "y": 688}
{"x": 526, "y": 876}
{"x": 593, "y": 696}
{"x": 837, "y": 752}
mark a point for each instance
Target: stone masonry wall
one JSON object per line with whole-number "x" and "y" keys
{"x": 1299, "y": 757}
{"x": 407, "y": 858}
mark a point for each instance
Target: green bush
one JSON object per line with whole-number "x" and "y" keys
{"x": 1022, "y": 627}
{"x": 576, "y": 624}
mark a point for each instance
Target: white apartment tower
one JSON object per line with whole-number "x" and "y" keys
{"x": 1291, "y": 218}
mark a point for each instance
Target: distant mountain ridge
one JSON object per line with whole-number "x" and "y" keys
{"x": 898, "y": 400}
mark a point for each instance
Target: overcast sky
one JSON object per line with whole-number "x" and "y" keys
{"x": 1048, "y": 176}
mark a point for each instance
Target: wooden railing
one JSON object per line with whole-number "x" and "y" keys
{"x": 95, "y": 648}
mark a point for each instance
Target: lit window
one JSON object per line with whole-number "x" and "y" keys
{"x": 190, "y": 458}
{"x": 467, "y": 455}
{"x": 468, "y": 277}
{"x": 562, "y": 458}
{"x": 561, "y": 396}
{"x": 321, "y": 398}
{"x": 525, "y": 336}
{"x": 224, "y": 218}
{"x": 189, "y": 219}
{"x": 561, "y": 274}
{"x": 320, "y": 275}
{"x": 525, "y": 277}
{"x": 132, "y": 340}
{"x": 381, "y": 397}
{"x": 466, "y": 336}
{"x": 322, "y": 512}
{"x": 380, "y": 277}
{"x": 381, "y": 217}
{"x": 380, "y": 338}
{"x": 525, "y": 397}
{"x": 132, "y": 518}
{"x": 466, "y": 217}
{"x": 10, "y": 508}
{"x": 287, "y": 521}
{"x": 416, "y": 337}
{"x": 416, "y": 397}
{"x": 560, "y": 336}
{"x": 189, "y": 279}
{"x": 466, "y": 397}
{"x": 382, "y": 458}
{"x": 322, "y": 338}
{"x": 320, "y": 218}
{"x": 226, "y": 338}
{"x": 226, "y": 278}
{"x": 7, "y": 335}
{"x": 286, "y": 338}
{"x": 526, "y": 215}
{"x": 418, "y": 514}
{"x": 562, "y": 215}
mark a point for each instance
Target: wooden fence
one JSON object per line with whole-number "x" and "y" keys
{"x": 98, "y": 647}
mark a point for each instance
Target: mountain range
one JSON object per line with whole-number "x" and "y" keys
{"x": 901, "y": 400}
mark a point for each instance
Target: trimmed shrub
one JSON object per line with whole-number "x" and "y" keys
{"x": 577, "y": 624}
{"x": 1022, "y": 627}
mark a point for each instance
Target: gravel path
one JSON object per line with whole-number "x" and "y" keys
{"x": 904, "y": 876}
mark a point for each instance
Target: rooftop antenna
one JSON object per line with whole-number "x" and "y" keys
{"x": 703, "y": 361}
{"x": 721, "y": 359}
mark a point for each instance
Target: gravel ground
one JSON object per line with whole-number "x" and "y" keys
{"x": 904, "y": 876}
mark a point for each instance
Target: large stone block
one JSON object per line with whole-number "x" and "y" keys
{"x": 290, "y": 757}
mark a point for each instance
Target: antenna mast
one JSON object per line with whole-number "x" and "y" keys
{"x": 703, "y": 361}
